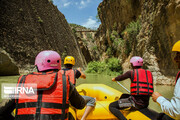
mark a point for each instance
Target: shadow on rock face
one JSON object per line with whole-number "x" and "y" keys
{"x": 7, "y": 65}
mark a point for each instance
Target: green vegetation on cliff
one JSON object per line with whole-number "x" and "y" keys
{"x": 110, "y": 66}
{"x": 117, "y": 44}
{"x": 122, "y": 43}
{"x": 131, "y": 31}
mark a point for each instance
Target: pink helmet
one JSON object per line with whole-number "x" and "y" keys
{"x": 48, "y": 59}
{"x": 136, "y": 61}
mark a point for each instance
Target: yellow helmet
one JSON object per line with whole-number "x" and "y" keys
{"x": 69, "y": 60}
{"x": 176, "y": 46}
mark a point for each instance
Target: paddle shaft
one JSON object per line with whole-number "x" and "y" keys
{"x": 123, "y": 86}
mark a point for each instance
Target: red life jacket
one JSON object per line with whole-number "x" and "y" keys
{"x": 177, "y": 77}
{"x": 51, "y": 101}
{"x": 142, "y": 82}
{"x": 72, "y": 75}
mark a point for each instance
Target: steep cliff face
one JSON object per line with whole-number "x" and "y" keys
{"x": 28, "y": 27}
{"x": 115, "y": 16}
{"x": 87, "y": 44}
{"x": 86, "y": 40}
{"x": 159, "y": 29}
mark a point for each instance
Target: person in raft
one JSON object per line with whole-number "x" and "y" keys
{"x": 74, "y": 74}
{"x": 171, "y": 107}
{"x": 141, "y": 88}
{"x": 54, "y": 92}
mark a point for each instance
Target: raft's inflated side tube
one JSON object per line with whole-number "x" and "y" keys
{"x": 72, "y": 114}
{"x": 104, "y": 96}
{"x": 99, "y": 91}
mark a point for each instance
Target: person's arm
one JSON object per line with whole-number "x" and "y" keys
{"x": 172, "y": 107}
{"x": 122, "y": 77}
{"x": 6, "y": 108}
{"x": 76, "y": 99}
{"x": 82, "y": 74}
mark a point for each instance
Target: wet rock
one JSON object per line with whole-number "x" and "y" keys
{"x": 7, "y": 64}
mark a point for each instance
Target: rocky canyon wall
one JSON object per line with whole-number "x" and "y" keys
{"x": 144, "y": 28}
{"x": 30, "y": 26}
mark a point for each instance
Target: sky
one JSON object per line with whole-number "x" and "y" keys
{"x": 81, "y": 12}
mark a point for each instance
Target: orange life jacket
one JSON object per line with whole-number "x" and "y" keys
{"x": 142, "y": 82}
{"x": 51, "y": 101}
{"x": 177, "y": 77}
{"x": 72, "y": 75}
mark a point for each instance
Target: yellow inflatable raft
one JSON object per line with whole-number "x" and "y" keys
{"x": 104, "y": 96}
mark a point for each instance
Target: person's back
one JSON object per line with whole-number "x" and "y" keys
{"x": 141, "y": 88}
{"x": 48, "y": 103}
{"x": 54, "y": 91}
{"x": 74, "y": 74}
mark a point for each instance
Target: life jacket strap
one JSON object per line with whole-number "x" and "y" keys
{"x": 147, "y": 81}
{"x": 42, "y": 116}
{"x": 64, "y": 97}
{"x": 144, "y": 83}
{"x": 143, "y": 87}
{"x": 141, "y": 93}
{"x": 177, "y": 77}
{"x": 17, "y": 99}
{"x": 43, "y": 105}
{"x": 137, "y": 81}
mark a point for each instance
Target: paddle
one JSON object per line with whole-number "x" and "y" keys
{"x": 123, "y": 86}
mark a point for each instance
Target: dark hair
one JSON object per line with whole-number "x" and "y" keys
{"x": 68, "y": 65}
{"x": 136, "y": 67}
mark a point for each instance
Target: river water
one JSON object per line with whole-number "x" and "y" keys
{"x": 166, "y": 91}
